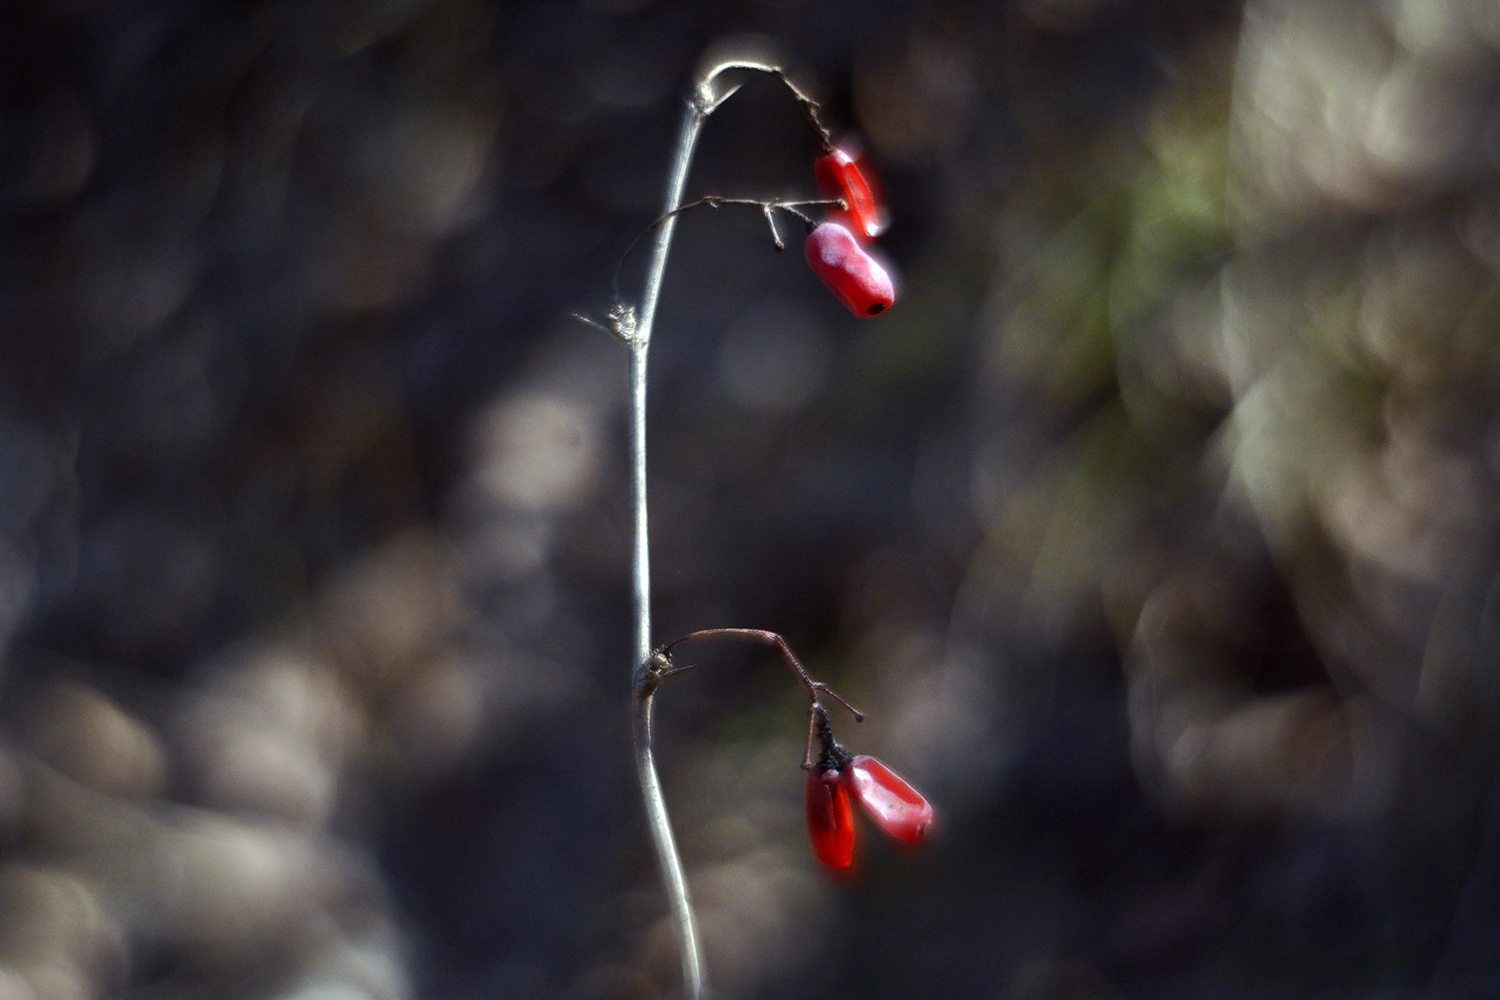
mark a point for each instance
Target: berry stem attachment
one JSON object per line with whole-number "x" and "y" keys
{"x": 832, "y": 755}
{"x": 810, "y": 107}
{"x": 634, "y": 330}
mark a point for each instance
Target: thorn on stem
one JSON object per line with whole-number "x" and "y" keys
{"x": 708, "y": 101}
{"x": 775, "y": 234}
{"x": 621, "y": 324}
{"x": 673, "y": 671}
{"x": 593, "y": 323}
{"x": 658, "y": 668}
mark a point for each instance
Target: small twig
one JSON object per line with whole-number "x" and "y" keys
{"x": 810, "y": 107}
{"x": 714, "y": 201}
{"x": 762, "y": 59}
{"x": 818, "y": 726}
{"x": 814, "y": 688}
{"x": 771, "y": 221}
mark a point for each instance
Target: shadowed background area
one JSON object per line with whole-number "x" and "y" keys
{"x": 1154, "y": 529}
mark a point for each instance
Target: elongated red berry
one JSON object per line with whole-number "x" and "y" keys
{"x": 893, "y": 805}
{"x": 840, "y": 175}
{"x": 861, "y": 283}
{"x": 829, "y": 819}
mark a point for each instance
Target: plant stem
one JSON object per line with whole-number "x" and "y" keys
{"x": 705, "y": 98}
{"x": 667, "y": 859}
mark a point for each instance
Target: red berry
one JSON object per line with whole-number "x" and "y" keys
{"x": 829, "y": 819}
{"x": 840, "y": 175}
{"x": 893, "y": 805}
{"x": 858, "y": 279}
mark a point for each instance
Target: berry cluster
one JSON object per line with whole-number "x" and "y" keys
{"x": 833, "y": 772}
{"x": 836, "y": 248}
{"x": 892, "y": 804}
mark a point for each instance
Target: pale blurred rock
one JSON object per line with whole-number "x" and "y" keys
{"x": 300, "y": 695}
{"x": 246, "y": 766}
{"x": 331, "y": 991}
{"x": 60, "y": 982}
{"x": 84, "y": 735}
{"x": 232, "y": 884}
{"x": 14, "y": 986}
{"x": 379, "y": 615}
{"x": 422, "y": 167}
{"x": 369, "y": 965}
{"x": 759, "y": 915}
{"x": 1417, "y": 286}
{"x": 538, "y": 452}
{"x": 1423, "y": 121}
{"x": 52, "y": 919}
{"x": 1444, "y": 32}
{"x": 435, "y": 719}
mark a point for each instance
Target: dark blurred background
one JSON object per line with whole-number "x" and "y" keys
{"x": 1155, "y": 529}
